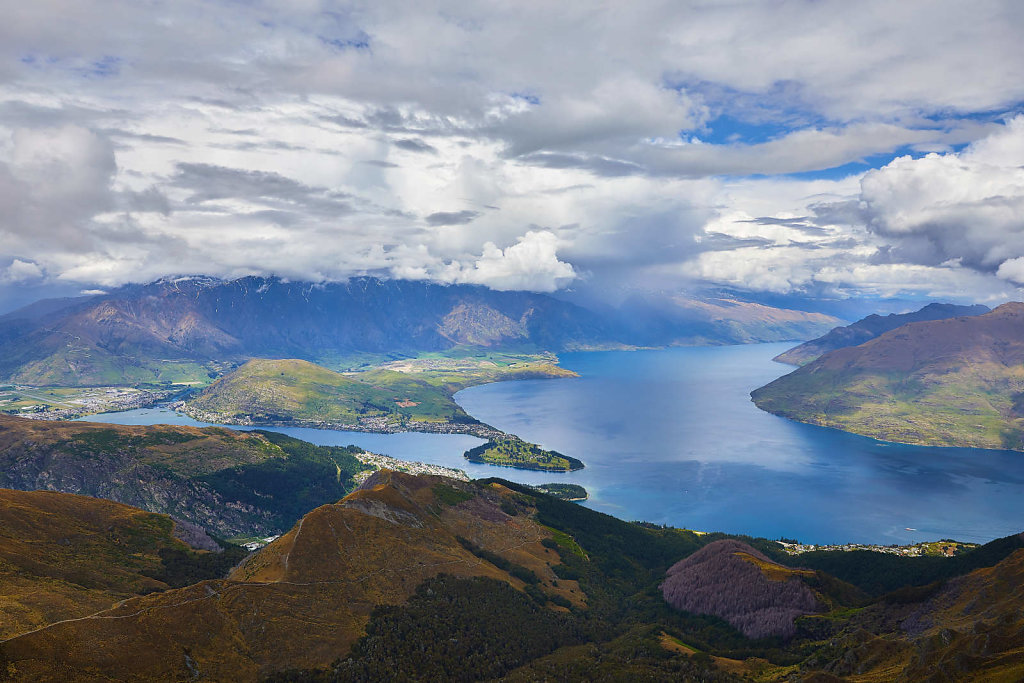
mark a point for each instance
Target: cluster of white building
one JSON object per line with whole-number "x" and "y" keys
{"x": 412, "y": 467}
{"x": 916, "y": 550}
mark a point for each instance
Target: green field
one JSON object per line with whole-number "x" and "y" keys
{"x": 514, "y": 452}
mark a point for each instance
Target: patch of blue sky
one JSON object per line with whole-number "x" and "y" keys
{"x": 726, "y": 129}
{"x": 38, "y": 61}
{"x": 988, "y": 115}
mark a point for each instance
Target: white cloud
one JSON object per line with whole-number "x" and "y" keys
{"x": 20, "y": 272}
{"x": 323, "y": 140}
{"x": 531, "y": 264}
{"x": 967, "y": 206}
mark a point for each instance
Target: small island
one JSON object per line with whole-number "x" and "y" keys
{"x": 570, "y": 492}
{"x": 510, "y": 451}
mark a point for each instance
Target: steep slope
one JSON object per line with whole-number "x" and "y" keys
{"x": 305, "y": 598}
{"x": 230, "y": 483}
{"x": 426, "y": 578}
{"x": 953, "y": 382}
{"x": 870, "y": 327}
{"x": 64, "y": 556}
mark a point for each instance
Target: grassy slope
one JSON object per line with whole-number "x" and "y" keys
{"x": 869, "y": 328}
{"x": 415, "y": 389}
{"x": 275, "y": 390}
{"x": 83, "y": 365}
{"x": 307, "y": 597}
{"x": 946, "y": 383}
{"x": 64, "y": 556}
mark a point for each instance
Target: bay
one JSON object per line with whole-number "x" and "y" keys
{"x": 671, "y": 437}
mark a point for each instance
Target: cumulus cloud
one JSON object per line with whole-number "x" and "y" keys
{"x": 531, "y": 264}
{"x": 966, "y": 207}
{"x": 20, "y": 272}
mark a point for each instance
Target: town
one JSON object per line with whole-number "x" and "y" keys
{"x": 943, "y": 548}
{"x": 387, "y": 462}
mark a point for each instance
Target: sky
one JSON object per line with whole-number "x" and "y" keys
{"x": 802, "y": 148}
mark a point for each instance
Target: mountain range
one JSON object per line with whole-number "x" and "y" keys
{"x": 182, "y": 329}
{"x": 951, "y": 382}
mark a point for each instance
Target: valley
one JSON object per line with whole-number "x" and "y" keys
{"x": 189, "y": 329}
{"x": 68, "y": 403}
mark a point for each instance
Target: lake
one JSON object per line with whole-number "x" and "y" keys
{"x": 671, "y": 437}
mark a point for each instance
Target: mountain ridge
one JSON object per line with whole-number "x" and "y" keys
{"x": 871, "y": 327}
{"x": 951, "y": 382}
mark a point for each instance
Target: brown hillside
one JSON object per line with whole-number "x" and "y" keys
{"x": 870, "y": 328}
{"x": 952, "y": 382}
{"x": 995, "y": 337}
{"x": 303, "y": 600}
{"x": 64, "y": 556}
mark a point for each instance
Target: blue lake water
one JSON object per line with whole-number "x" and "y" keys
{"x": 672, "y": 437}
